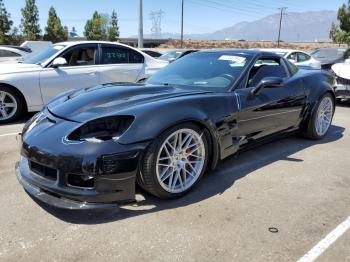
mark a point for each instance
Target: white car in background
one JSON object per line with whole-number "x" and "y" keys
{"x": 12, "y": 53}
{"x": 34, "y": 81}
{"x": 342, "y": 80}
{"x": 299, "y": 58}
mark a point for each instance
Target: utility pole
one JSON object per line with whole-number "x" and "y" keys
{"x": 140, "y": 35}
{"x": 279, "y": 30}
{"x": 182, "y": 23}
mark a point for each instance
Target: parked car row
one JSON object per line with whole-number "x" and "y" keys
{"x": 28, "y": 81}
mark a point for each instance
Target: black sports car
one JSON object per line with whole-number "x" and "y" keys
{"x": 89, "y": 148}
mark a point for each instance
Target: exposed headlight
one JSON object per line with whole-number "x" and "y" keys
{"x": 102, "y": 129}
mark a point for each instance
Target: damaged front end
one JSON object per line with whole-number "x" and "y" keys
{"x": 64, "y": 167}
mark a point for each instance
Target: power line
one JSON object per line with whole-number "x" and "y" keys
{"x": 182, "y": 22}
{"x": 156, "y": 18}
{"x": 282, "y": 9}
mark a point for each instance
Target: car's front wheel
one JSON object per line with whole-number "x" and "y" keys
{"x": 11, "y": 104}
{"x": 321, "y": 118}
{"x": 175, "y": 162}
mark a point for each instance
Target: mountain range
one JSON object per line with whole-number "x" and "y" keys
{"x": 296, "y": 27}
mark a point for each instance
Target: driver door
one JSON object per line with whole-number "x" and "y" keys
{"x": 80, "y": 72}
{"x": 275, "y": 108}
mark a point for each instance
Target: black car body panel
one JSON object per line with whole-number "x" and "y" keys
{"x": 104, "y": 172}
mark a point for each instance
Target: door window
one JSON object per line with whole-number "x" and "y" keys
{"x": 302, "y": 57}
{"x": 115, "y": 55}
{"x": 293, "y": 57}
{"x": 267, "y": 67}
{"x": 81, "y": 56}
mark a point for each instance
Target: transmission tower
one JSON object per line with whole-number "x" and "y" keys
{"x": 156, "y": 17}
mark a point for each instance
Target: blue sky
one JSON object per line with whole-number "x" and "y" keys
{"x": 201, "y": 16}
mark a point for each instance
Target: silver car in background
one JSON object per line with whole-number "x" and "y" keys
{"x": 35, "y": 80}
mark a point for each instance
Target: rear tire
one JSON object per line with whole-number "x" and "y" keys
{"x": 174, "y": 163}
{"x": 11, "y": 104}
{"x": 321, "y": 118}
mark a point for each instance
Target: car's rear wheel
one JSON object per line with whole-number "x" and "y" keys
{"x": 11, "y": 105}
{"x": 321, "y": 118}
{"x": 175, "y": 162}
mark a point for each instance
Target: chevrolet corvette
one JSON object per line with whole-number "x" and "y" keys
{"x": 88, "y": 148}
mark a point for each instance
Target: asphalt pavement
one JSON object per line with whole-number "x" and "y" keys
{"x": 297, "y": 187}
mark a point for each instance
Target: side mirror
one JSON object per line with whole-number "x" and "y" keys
{"x": 171, "y": 60}
{"x": 266, "y": 82}
{"x": 292, "y": 60}
{"x": 59, "y": 61}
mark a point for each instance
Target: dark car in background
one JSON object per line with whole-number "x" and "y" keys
{"x": 171, "y": 56}
{"x": 88, "y": 148}
{"x": 330, "y": 56}
{"x": 152, "y": 53}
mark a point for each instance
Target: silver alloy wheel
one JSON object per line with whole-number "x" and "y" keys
{"x": 8, "y": 105}
{"x": 180, "y": 160}
{"x": 324, "y": 116}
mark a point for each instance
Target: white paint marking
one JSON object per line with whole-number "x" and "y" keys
{"x": 10, "y": 134}
{"x": 325, "y": 243}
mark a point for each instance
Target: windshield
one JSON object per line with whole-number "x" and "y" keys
{"x": 41, "y": 56}
{"x": 211, "y": 71}
{"x": 170, "y": 55}
{"x": 329, "y": 53}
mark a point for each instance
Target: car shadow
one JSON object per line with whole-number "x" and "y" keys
{"x": 213, "y": 183}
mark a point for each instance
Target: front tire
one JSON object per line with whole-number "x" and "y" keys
{"x": 321, "y": 118}
{"x": 174, "y": 163}
{"x": 11, "y": 105}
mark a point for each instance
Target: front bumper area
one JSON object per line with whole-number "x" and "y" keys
{"x": 105, "y": 191}
{"x": 76, "y": 174}
{"x": 55, "y": 201}
{"x": 342, "y": 88}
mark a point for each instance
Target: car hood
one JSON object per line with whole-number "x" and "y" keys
{"x": 342, "y": 70}
{"x": 91, "y": 103}
{"x": 13, "y": 67}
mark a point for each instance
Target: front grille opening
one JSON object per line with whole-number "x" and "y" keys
{"x": 44, "y": 171}
{"x": 83, "y": 181}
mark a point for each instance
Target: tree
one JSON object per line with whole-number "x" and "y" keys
{"x": 113, "y": 30}
{"x": 30, "y": 21}
{"x": 54, "y": 31}
{"x": 5, "y": 24}
{"x": 14, "y": 37}
{"x": 97, "y": 27}
{"x": 340, "y": 34}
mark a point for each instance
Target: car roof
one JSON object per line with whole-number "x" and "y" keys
{"x": 72, "y": 43}
{"x": 251, "y": 52}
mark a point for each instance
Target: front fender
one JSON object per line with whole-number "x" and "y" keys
{"x": 28, "y": 84}
{"x": 209, "y": 111}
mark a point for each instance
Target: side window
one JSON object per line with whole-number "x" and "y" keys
{"x": 5, "y": 53}
{"x": 302, "y": 57}
{"x": 293, "y": 57}
{"x": 81, "y": 56}
{"x": 113, "y": 55}
{"x": 347, "y": 54}
{"x": 266, "y": 67}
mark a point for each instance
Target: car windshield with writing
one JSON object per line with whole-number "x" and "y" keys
{"x": 206, "y": 70}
